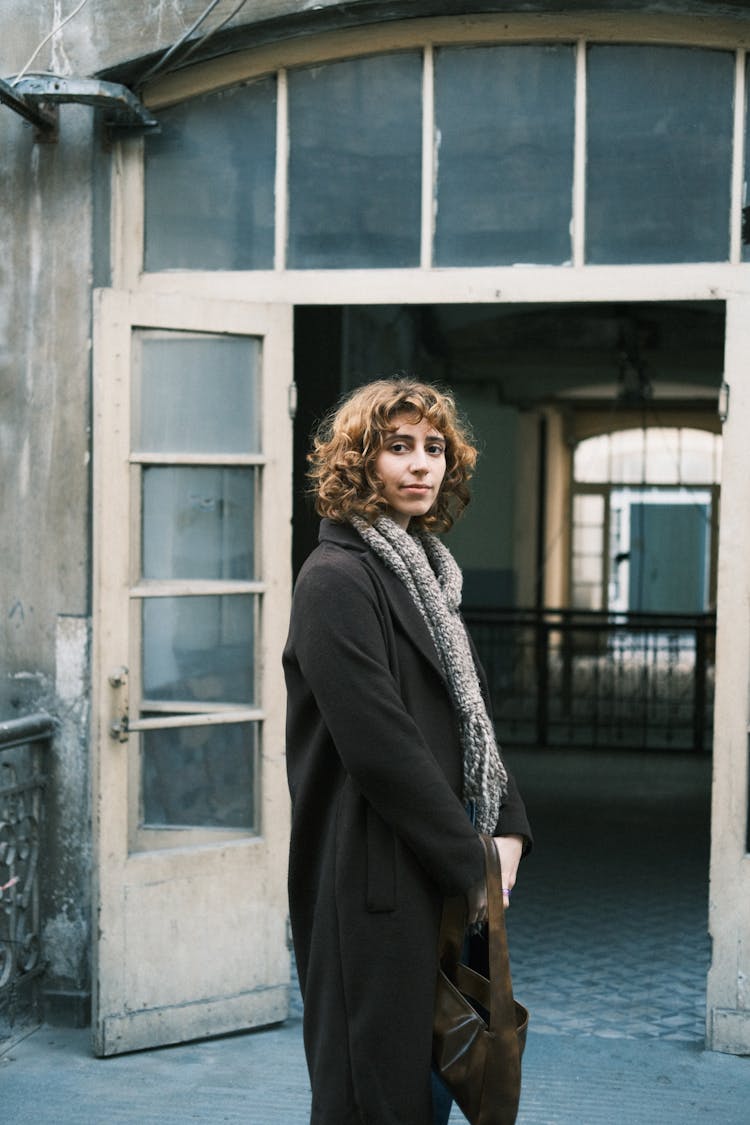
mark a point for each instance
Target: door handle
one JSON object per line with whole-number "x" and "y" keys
{"x": 118, "y": 727}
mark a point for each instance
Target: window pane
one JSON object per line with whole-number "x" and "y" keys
{"x": 587, "y": 597}
{"x": 627, "y": 456}
{"x": 588, "y": 510}
{"x": 587, "y": 553}
{"x": 210, "y": 182}
{"x": 504, "y": 137}
{"x": 697, "y": 457}
{"x": 587, "y": 569}
{"x": 659, "y": 154}
{"x": 199, "y": 776}
{"x": 198, "y": 523}
{"x": 198, "y": 394}
{"x": 355, "y": 163}
{"x": 662, "y": 456}
{"x": 199, "y": 649}
{"x": 591, "y": 460}
{"x": 587, "y": 540}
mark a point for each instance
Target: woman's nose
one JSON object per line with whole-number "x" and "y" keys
{"x": 418, "y": 461}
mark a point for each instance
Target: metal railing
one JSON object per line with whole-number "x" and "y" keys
{"x": 21, "y": 786}
{"x": 574, "y": 678}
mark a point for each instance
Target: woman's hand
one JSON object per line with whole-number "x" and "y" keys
{"x": 509, "y": 851}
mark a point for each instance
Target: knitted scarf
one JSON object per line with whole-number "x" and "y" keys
{"x": 434, "y": 580}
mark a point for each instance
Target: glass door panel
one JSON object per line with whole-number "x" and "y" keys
{"x": 196, "y": 393}
{"x": 196, "y": 396}
{"x": 200, "y": 776}
{"x": 199, "y": 649}
{"x": 198, "y": 522}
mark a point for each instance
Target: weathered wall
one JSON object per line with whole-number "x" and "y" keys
{"x": 107, "y": 34}
{"x": 45, "y": 225}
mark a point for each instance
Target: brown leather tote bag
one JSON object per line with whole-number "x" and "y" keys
{"x": 479, "y": 1030}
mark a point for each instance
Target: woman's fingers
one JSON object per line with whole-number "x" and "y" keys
{"x": 509, "y": 851}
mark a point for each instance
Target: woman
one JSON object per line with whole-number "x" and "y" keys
{"x": 388, "y": 746}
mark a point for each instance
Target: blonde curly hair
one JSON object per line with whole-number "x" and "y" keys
{"x": 342, "y": 469}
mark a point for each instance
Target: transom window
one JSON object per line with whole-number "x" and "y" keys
{"x": 649, "y": 455}
{"x": 502, "y": 154}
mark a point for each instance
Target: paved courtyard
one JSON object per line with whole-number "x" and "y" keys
{"x": 609, "y": 930}
{"x": 609, "y": 949}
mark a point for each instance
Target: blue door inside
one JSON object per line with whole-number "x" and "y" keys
{"x": 668, "y": 557}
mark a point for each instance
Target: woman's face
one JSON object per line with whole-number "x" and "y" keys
{"x": 411, "y": 465}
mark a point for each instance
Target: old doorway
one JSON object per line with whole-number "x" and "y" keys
{"x": 536, "y": 382}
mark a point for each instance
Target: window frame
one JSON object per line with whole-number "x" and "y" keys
{"x": 427, "y": 35}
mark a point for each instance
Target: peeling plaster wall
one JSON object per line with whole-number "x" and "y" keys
{"x": 45, "y": 299}
{"x": 65, "y": 934}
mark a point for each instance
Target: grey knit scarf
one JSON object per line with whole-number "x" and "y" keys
{"x": 434, "y": 580}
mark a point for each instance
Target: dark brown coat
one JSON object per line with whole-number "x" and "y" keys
{"x": 379, "y": 834}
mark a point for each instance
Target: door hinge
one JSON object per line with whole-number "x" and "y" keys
{"x": 723, "y": 405}
{"x": 292, "y": 400}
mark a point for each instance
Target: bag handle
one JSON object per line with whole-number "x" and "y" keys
{"x": 452, "y": 928}
{"x": 502, "y": 1006}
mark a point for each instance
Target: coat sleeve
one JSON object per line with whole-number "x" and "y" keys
{"x": 513, "y": 820}
{"x": 338, "y": 641}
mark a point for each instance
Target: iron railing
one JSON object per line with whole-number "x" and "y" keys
{"x": 21, "y": 786}
{"x": 608, "y": 680}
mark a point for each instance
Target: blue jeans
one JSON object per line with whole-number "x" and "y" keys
{"x": 441, "y": 1101}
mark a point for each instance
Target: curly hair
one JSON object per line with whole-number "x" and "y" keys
{"x": 342, "y": 469}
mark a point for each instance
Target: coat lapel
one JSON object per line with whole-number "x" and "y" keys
{"x": 399, "y": 598}
{"x": 409, "y": 617}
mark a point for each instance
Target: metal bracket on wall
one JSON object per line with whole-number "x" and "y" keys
{"x": 37, "y": 97}
{"x": 44, "y": 120}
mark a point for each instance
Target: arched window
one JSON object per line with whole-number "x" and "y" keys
{"x": 452, "y": 156}
{"x": 644, "y": 507}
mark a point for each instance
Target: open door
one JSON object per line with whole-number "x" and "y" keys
{"x": 192, "y": 580}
